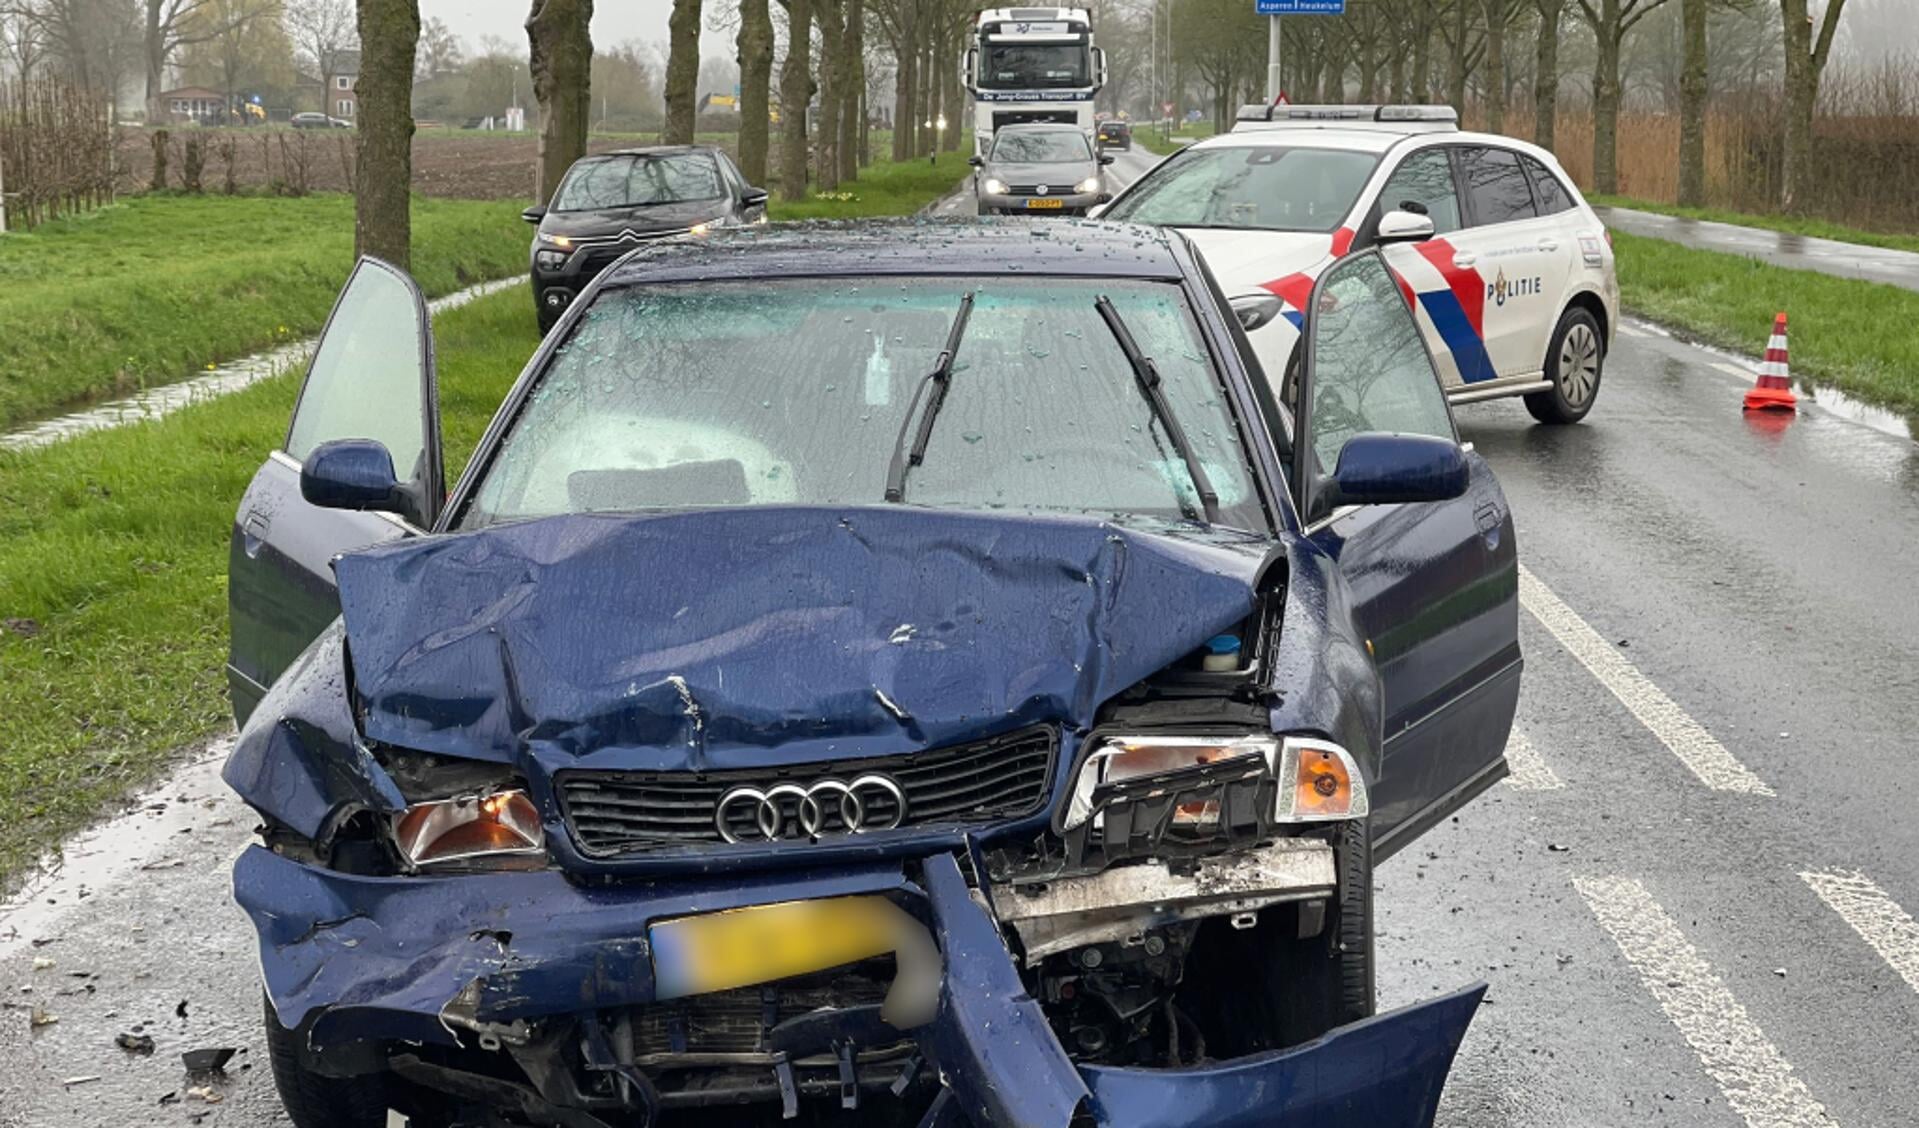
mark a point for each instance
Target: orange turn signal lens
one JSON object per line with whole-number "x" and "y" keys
{"x": 1319, "y": 782}
{"x": 445, "y": 830}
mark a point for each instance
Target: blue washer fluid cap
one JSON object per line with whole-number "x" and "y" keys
{"x": 1223, "y": 644}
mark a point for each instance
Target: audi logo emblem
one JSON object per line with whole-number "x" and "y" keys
{"x": 779, "y": 811}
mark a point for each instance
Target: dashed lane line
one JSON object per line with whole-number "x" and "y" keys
{"x": 1688, "y": 740}
{"x": 1874, "y": 915}
{"x": 1757, "y": 1080}
{"x": 1529, "y": 770}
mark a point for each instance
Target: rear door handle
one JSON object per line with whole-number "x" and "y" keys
{"x": 1465, "y": 259}
{"x": 1549, "y": 244}
{"x": 253, "y": 533}
{"x": 1489, "y": 517}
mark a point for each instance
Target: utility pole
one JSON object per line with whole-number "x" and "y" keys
{"x": 1275, "y": 46}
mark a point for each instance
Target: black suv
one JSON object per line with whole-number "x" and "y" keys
{"x": 608, "y": 202}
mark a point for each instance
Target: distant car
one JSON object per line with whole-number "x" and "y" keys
{"x": 609, "y": 203}
{"x": 1116, "y": 135}
{"x": 339, "y": 123}
{"x": 1040, "y": 168}
{"x": 1513, "y": 285}
{"x": 310, "y": 121}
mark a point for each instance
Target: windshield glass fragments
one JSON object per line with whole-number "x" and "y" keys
{"x": 698, "y": 395}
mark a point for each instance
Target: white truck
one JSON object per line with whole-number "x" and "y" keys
{"x": 1031, "y": 64}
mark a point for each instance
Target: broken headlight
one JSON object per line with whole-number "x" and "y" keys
{"x": 470, "y": 826}
{"x": 1194, "y": 784}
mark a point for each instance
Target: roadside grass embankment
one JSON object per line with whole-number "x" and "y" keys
{"x": 884, "y": 188}
{"x": 1785, "y": 224}
{"x": 1147, "y": 137}
{"x": 154, "y": 289}
{"x": 113, "y": 567}
{"x": 1855, "y": 336}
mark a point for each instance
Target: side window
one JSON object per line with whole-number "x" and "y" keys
{"x": 1498, "y": 186}
{"x": 369, "y": 377}
{"x": 1370, "y": 369}
{"x": 1552, "y": 195}
{"x": 1425, "y": 179}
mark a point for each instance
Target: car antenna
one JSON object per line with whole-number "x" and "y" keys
{"x": 1146, "y": 375}
{"x": 938, "y": 379}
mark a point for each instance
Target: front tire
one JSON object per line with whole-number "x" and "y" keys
{"x": 1575, "y": 361}
{"x": 316, "y": 1101}
{"x": 1267, "y": 987}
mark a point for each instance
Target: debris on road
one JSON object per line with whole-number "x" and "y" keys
{"x": 42, "y": 1017}
{"x": 41, "y": 963}
{"x": 205, "y": 1093}
{"x": 208, "y": 1059}
{"x": 81, "y": 1080}
{"x": 134, "y": 1043}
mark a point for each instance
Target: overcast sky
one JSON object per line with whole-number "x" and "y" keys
{"x": 614, "y": 21}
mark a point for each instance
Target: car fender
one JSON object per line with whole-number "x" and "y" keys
{"x": 1332, "y": 684}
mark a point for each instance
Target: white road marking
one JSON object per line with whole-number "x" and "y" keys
{"x": 1874, "y": 915}
{"x": 1757, "y": 1080}
{"x": 1695, "y": 747}
{"x": 1633, "y": 331}
{"x": 1734, "y": 370}
{"x": 1530, "y": 772}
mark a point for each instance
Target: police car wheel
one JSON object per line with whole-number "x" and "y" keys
{"x": 1575, "y": 361}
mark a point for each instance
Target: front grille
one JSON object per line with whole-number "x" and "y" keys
{"x": 622, "y": 813}
{"x": 737, "y": 1021}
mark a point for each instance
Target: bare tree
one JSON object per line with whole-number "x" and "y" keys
{"x": 1610, "y": 20}
{"x": 562, "y": 56}
{"x": 439, "y": 51}
{"x": 682, "y": 71}
{"x": 1546, "y": 72}
{"x": 1806, "y": 55}
{"x": 171, "y": 25}
{"x": 1499, "y": 17}
{"x": 383, "y": 172}
{"x": 322, "y": 32}
{"x": 22, "y": 40}
{"x": 1692, "y": 107}
{"x": 756, "y": 80}
{"x": 796, "y": 91}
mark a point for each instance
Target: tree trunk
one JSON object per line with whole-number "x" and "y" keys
{"x": 383, "y": 166}
{"x": 1457, "y": 76}
{"x": 682, "y": 70}
{"x": 831, "y": 16}
{"x": 1606, "y": 109}
{"x": 851, "y": 86}
{"x": 903, "y": 85}
{"x": 1546, "y": 73}
{"x": 955, "y": 99}
{"x": 1423, "y": 66}
{"x": 796, "y": 90}
{"x": 756, "y": 79}
{"x": 562, "y": 64}
{"x": 154, "y": 50}
{"x": 159, "y": 182}
{"x": 1805, "y": 59}
{"x": 1692, "y": 107}
{"x": 1496, "y": 15}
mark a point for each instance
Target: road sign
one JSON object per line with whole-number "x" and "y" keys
{"x": 1300, "y": 7}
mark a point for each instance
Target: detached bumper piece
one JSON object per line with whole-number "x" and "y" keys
{"x": 544, "y": 1002}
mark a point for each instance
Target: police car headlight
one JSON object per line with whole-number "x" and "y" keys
{"x": 994, "y": 187}
{"x": 1090, "y": 184}
{"x": 1255, "y": 310}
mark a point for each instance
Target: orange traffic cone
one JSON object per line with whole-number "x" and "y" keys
{"x": 1773, "y": 390}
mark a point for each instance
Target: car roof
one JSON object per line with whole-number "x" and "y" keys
{"x": 654, "y": 151}
{"x": 1373, "y": 139}
{"x": 901, "y": 247}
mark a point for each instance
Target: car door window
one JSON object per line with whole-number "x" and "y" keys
{"x": 1498, "y": 185}
{"x": 1370, "y": 369}
{"x": 1425, "y": 180}
{"x": 1551, "y": 195}
{"x": 371, "y": 376}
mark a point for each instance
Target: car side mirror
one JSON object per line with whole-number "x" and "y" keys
{"x": 352, "y": 474}
{"x": 976, "y": 161}
{"x": 1403, "y": 227}
{"x": 754, "y": 197}
{"x": 1107, "y": 158}
{"x": 1378, "y": 468}
{"x": 534, "y": 214}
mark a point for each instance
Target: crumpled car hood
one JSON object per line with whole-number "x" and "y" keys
{"x": 770, "y": 635}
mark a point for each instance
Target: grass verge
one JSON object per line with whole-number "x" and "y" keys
{"x": 156, "y": 288}
{"x": 1846, "y": 333}
{"x": 113, "y": 561}
{"x": 884, "y": 188}
{"x": 1147, "y": 137}
{"x": 1792, "y": 225}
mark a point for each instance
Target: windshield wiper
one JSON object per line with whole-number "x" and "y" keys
{"x": 1146, "y": 375}
{"x": 938, "y": 378}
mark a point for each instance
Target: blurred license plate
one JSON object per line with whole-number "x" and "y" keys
{"x": 1043, "y": 203}
{"x": 740, "y": 947}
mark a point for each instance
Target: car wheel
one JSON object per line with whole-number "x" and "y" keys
{"x": 314, "y": 1101}
{"x": 1268, "y": 987}
{"x": 1574, "y": 363}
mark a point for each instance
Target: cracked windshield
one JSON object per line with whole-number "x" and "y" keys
{"x": 693, "y": 395}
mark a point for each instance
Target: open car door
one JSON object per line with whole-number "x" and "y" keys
{"x": 1431, "y": 568}
{"x": 371, "y": 377}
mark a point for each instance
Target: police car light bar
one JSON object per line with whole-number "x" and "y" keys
{"x": 1427, "y": 115}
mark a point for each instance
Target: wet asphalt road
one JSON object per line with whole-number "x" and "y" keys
{"x": 1688, "y": 913}
{"x": 1795, "y": 252}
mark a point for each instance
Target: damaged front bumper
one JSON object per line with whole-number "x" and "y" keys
{"x": 366, "y": 964}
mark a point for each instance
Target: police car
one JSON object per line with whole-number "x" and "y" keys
{"x": 1508, "y": 270}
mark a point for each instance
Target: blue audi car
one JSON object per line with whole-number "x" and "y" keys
{"x": 908, "y": 673}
